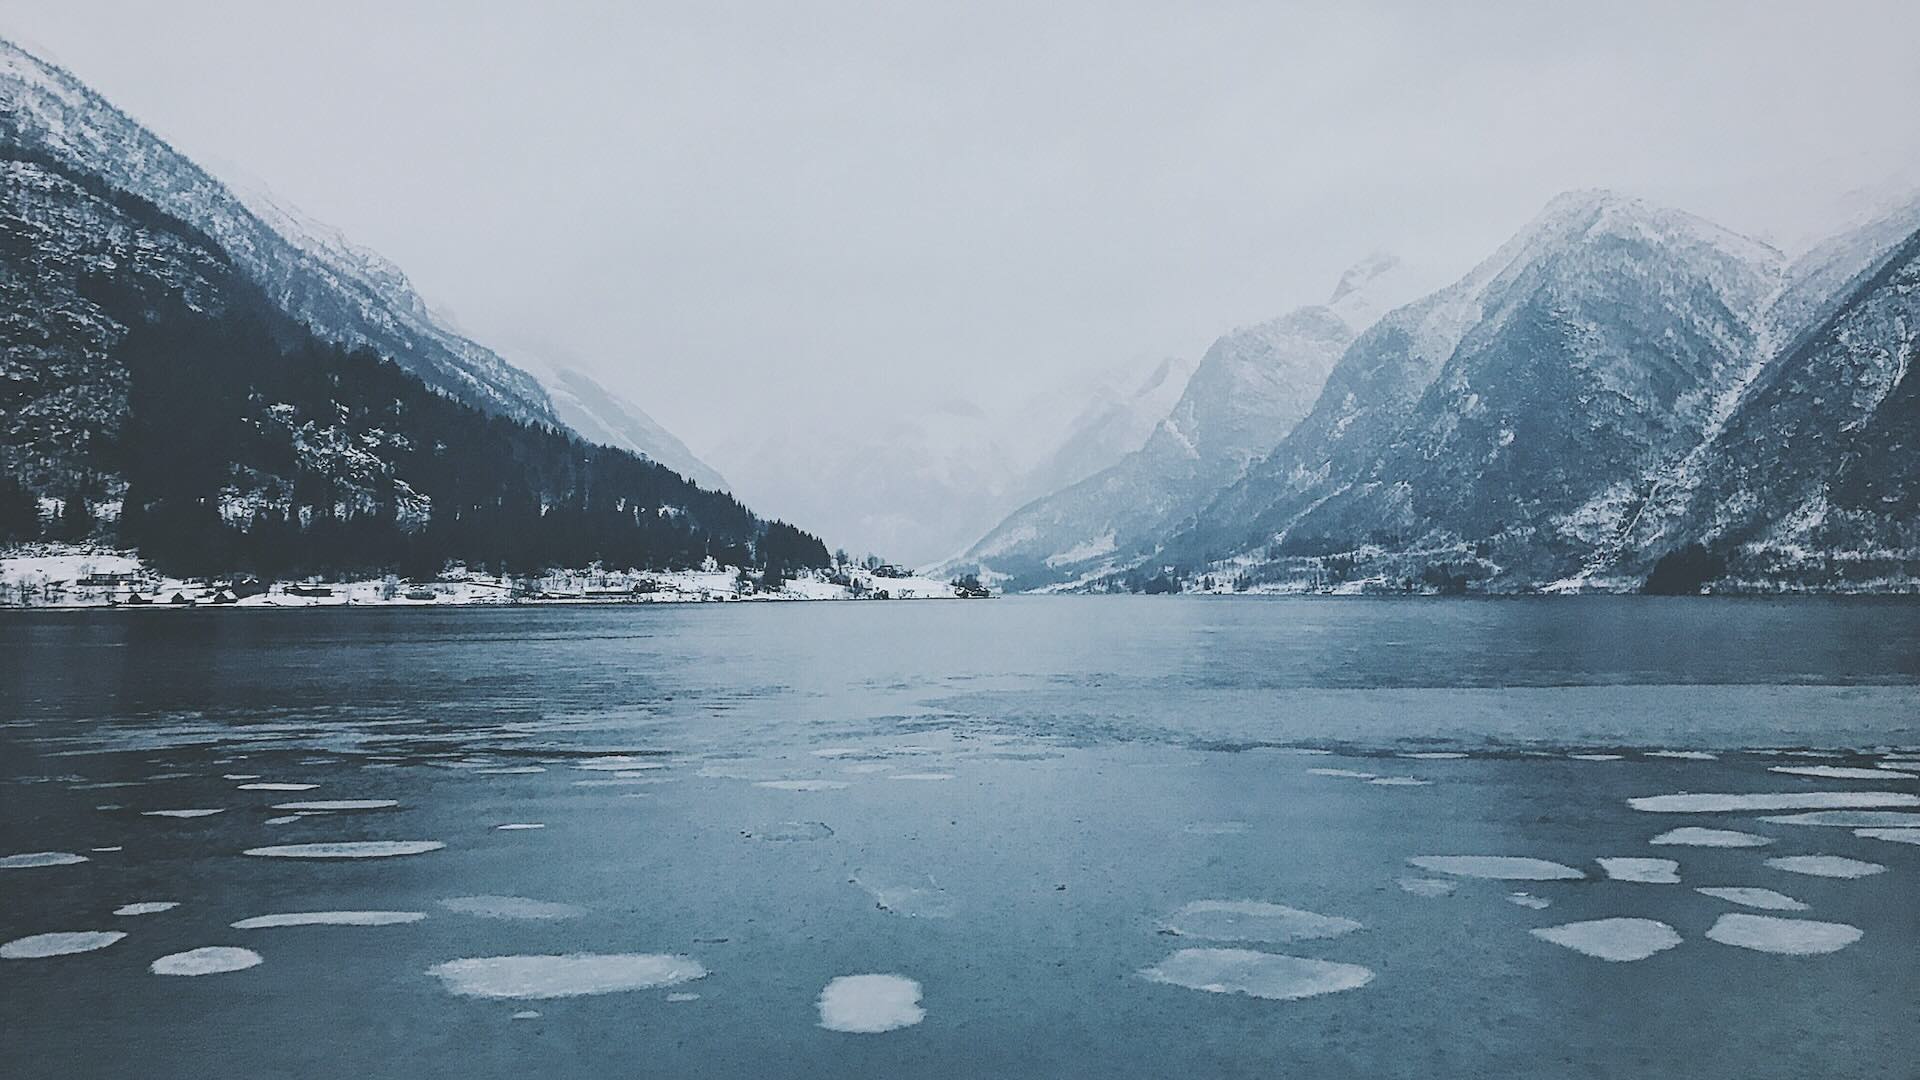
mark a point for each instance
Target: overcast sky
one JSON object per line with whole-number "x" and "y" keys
{"x": 744, "y": 214}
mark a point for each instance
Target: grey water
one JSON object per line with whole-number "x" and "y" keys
{"x": 1023, "y": 810}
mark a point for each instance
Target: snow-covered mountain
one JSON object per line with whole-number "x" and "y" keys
{"x": 343, "y": 292}
{"x": 599, "y": 415}
{"x": 1245, "y": 395}
{"x": 1496, "y": 431}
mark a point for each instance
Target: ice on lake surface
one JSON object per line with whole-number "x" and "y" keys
{"x": 1617, "y": 939}
{"x": 1124, "y": 771}
{"x": 1688, "y": 803}
{"x": 31, "y": 859}
{"x": 870, "y": 1004}
{"x": 348, "y": 849}
{"x": 1643, "y": 871}
{"x": 1256, "y": 974}
{"x": 1842, "y": 772}
{"x": 146, "y": 907}
{"x": 1897, "y": 836}
{"x": 570, "y": 975}
{"x": 1830, "y": 866}
{"x": 803, "y": 785}
{"x": 206, "y": 960}
{"x": 1497, "y": 867}
{"x": 59, "y": 943}
{"x": 180, "y": 813}
{"x": 1794, "y": 937}
{"x": 1254, "y": 920}
{"x": 338, "y": 804}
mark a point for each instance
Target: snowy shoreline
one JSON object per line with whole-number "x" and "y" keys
{"x": 66, "y": 577}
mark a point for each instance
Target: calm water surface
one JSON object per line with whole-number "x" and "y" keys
{"x": 1006, "y": 803}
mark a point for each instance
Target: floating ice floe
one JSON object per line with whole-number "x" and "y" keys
{"x": 1772, "y": 800}
{"x": 511, "y": 907}
{"x": 1399, "y": 781}
{"x": 921, "y": 776}
{"x": 802, "y": 785}
{"x": 870, "y": 1004}
{"x": 527, "y": 1014}
{"x": 569, "y": 975}
{"x": 1764, "y": 899}
{"x": 1684, "y": 755}
{"x": 1497, "y": 867}
{"x": 1253, "y": 920}
{"x": 208, "y": 960}
{"x": 1794, "y": 937}
{"x": 1434, "y": 755}
{"x": 512, "y": 770}
{"x": 1830, "y": 866}
{"x": 40, "y": 858}
{"x": 330, "y": 918}
{"x": 284, "y": 819}
{"x": 622, "y": 781}
{"x": 1842, "y": 772}
{"x": 791, "y": 831}
{"x": 519, "y": 826}
{"x": 1350, "y": 774}
{"x": 1694, "y": 836}
{"x": 1215, "y": 828}
{"x": 916, "y": 896}
{"x": 618, "y": 764}
{"x": 240, "y": 776}
{"x": 180, "y": 813}
{"x": 1898, "y": 836}
{"x": 866, "y": 767}
{"x": 682, "y": 996}
{"x": 339, "y": 804}
{"x": 278, "y": 787}
{"x": 1528, "y": 900}
{"x": 348, "y": 849}
{"x": 1256, "y": 974}
{"x": 1596, "y": 757}
{"x": 1851, "y": 819}
{"x": 146, "y": 907}
{"x": 1426, "y": 886}
{"x": 1617, "y": 940}
{"x": 65, "y": 943}
{"x": 1644, "y": 871}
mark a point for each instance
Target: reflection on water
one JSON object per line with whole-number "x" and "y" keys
{"x": 1137, "y": 837}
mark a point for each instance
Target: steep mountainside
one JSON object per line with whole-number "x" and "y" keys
{"x": 602, "y": 416}
{"x": 1495, "y": 429}
{"x": 1248, "y": 391}
{"x": 344, "y": 293}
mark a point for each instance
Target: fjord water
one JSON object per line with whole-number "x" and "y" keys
{"x": 1075, "y": 832}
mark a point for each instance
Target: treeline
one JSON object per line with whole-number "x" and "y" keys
{"x": 252, "y": 445}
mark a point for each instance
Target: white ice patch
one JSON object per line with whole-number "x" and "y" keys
{"x": 40, "y": 858}
{"x": 330, "y": 918}
{"x": 510, "y": 907}
{"x": 179, "y": 813}
{"x": 278, "y": 787}
{"x": 803, "y": 785}
{"x": 1215, "y": 828}
{"x": 870, "y": 1004}
{"x": 1435, "y": 755}
{"x": 916, "y": 896}
{"x": 570, "y": 975}
{"x": 1399, "y": 781}
{"x": 210, "y": 960}
{"x": 348, "y": 849}
{"x": 65, "y": 943}
{"x": 116, "y": 847}
{"x": 284, "y": 819}
{"x": 1684, "y": 755}
{"x": 1253, "y": 920}
{"x": 1497, "y": 867}
{"x": 1349, "y": 774}
{"x": 527, "y": 1014}
{"x": 1898, "y": 836}
{"x": 790, "y": 831}
{"x": 619, "y": 764}
{"x": 621, "y": 781}
{"x": 1694, "y": 836}
{"x": 1256, "y": 974}
{"x": 1643, "y": 871}
{"x": 240, "y": 776}
{"x": 519, "y": 826}
{"x": 1764, "y": 899}
{"x": 866, "y": 767}
{"x": 338, "y": 804}
{"x": 1596, "y": 757}
{"x": 1851, "y": 819}
{"x": 1426, "y": 886}
{"x": 1842, "y": 772}
{"x": 921, "y": 776}
{"x": 682, "y": 996}
{"x": 1772, "y": 800}
{"x": 1617, "y": 940}
{"x": 146, "y": 907}
{"x": 1794, "y": 937}
{"x": 1829, "y": 866}
{"x": 512, "y": 770}
{"x": 1528, "y": 900}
